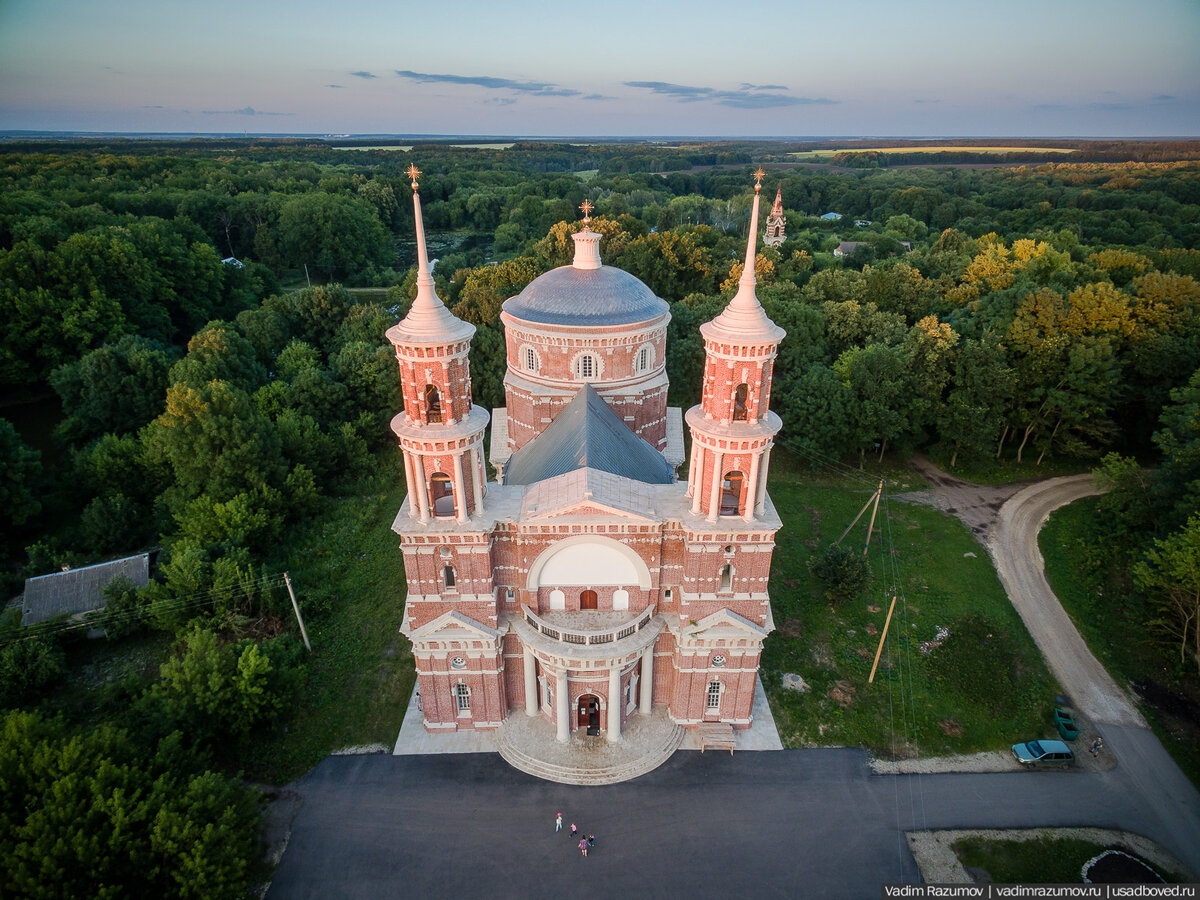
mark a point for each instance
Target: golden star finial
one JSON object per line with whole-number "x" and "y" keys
{"x": 758, "y": 177}
{"x": 414, "y": 173}
{"x": 587, "y": 208}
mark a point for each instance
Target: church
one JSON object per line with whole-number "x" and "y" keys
{"x": 587, "y": 583}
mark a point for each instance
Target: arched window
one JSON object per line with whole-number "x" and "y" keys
{"x": 731, "y": 494}
{"x": 585, "y": 367}
{"x": 462, "y": 698}
{"x": 714, "y": 695}
{"x": 644, "y": 357}
{"x": 448, "y": 577}
{"x": 531, "y": 360}
{"x": 433, "y": 404}
{"x": 739, "y": 403}
{"x": 726, "y": 579}
{"x": 441, "y": 494}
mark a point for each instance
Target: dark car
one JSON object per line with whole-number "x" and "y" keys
{"x": 1037, "y": 754}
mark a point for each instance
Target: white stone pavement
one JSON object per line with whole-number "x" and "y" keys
{"x": 414, "y": 739}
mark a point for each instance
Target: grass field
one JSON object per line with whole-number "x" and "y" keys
{"x": 1111, "y": 623}
{"x": 958, "y": 698}
{"x": 1041, "y": 860}
{"x": 813, "y": 155}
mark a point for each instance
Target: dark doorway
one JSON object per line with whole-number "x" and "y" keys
{"x": 587, "y": 600}
{"x": 589, "y": 713}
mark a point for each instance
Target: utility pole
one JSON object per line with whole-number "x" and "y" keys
{"x": 882, "y": 638}
{"x": 296, "y": 608}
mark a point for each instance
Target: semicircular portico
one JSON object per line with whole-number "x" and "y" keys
{"x": 588, "y": 560}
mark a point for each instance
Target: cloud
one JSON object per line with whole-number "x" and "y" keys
{"x": 1163, "y": 98}
{"x": 539, "y": 88}
{"x": 746, "y": 86}
{"x": 920, "y": 100}
{"x": 152, "y": 106}
{"x": 501, "y": 101}
{"x": 364, "y": 75}
{"x": 333, "y": 85}
{"x": 598, "y": 97}
{"x": 746, "y": 97}
{"x": 244, "y": 111}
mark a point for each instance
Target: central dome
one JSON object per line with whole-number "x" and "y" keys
{"x": 571, "y": 296}
{"x": 586, "y": 293}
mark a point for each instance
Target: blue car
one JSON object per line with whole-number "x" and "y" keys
{"x": 1036, "y": 754}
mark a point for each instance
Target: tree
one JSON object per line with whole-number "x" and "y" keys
{"x": 844, "y": 572}
{"x": 218, "y": 352}
{"x": 973, "y": 415}
{"x": 337, "y": 235}
{"x": 1170, "y": 574}
{"x": 19, "y": 479}
{"x": 1176, "y": 484}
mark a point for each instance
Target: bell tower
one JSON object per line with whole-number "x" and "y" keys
{"x": 732, "y": 427}
{"x": 440, "y": 429}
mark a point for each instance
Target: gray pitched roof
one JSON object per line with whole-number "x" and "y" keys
{"x": 587, "y": 434}
{"x": 78, "y": 590}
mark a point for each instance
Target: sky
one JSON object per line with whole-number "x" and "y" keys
{"x": 787, "y": 68}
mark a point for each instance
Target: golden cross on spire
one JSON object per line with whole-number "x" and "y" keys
{"x": 758, "y": 177}
{"x": 414, "y": 173}
{"x": 587, "y": 208}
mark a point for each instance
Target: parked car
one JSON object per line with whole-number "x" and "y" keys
{"x": 1036, "y": 754}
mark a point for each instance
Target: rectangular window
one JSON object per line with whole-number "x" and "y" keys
{"x": 714, "y": 695}
{"x": 462, "y": 697}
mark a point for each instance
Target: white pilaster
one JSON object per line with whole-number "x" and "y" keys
{"x": 752, "y": 487}
{"x": 760, "y": 504}
{"x": 646, "y": 700}
{"x": 614, "y": 703}
{"x": 714, "y": 498}
{"x": 694, "y": 476}
{"x": 418, "y": 463}
{"x": 476, "y": 484}
{"x": 531, "y": 698}
{"x": 413, "y": 510}
{"x": 460, "y": 500}
{"x": 562, "y": 707}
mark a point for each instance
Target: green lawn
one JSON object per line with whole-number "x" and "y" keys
{"x": 1112, "y": 623}
{"x": 349, "y": 577}
{"x": 1039, "y": 860}
{"x": 956, "y": 699}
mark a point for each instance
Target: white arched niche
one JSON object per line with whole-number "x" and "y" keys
{"x": 588, "y": 560}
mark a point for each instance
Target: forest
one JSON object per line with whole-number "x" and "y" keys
{"x": 195, "y": 364}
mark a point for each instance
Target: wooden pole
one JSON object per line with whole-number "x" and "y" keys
{"x": 882, "y": 638}
{"x": 856, "y": 518}
{"x": 296, "y": 609}
{"x": 871, "y": 527}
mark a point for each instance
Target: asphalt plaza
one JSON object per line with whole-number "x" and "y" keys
{"x": 792, "y": 823}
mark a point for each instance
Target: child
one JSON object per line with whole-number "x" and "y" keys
{"x": 583, "y": 845}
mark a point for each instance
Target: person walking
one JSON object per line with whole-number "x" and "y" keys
{"x": 558, "y": 823}
{"x": 583, "y": 845}
{"x": 591, "y": 841}
{"x": 1097, "y": 746}
{"x": 574, "y": 830}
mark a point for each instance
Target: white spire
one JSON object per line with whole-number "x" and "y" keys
{"x": 428, "y": 321}
{"x": 744, "y": 320}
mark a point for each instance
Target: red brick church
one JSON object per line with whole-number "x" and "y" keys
{"x": 587, "y": 584}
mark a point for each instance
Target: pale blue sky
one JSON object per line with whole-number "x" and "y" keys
{"x": 651, "y": 67}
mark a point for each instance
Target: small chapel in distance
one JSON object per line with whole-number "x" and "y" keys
{"x": 587, "y": 584}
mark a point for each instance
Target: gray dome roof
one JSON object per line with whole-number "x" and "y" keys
{"x": 572, "y": 296}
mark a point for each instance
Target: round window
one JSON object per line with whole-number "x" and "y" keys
{"x": 458, "y": 663}
{"x": 718, "y": 661}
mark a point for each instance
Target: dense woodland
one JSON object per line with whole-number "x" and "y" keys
{"x": 1046, "y": 313}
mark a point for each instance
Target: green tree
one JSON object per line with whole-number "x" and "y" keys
{"x": 19, "y": 479}
{"x": 844, "y": 572}
{"x": 336, "y": 235}
{"x": 1170, "y": 575}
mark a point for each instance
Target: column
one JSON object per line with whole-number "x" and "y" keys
{"x": 692, "y": 467}
{"x": 614, "y": 704}
{"x": 760, "y": 504}
{"x": 418, "y": 463}
{"x": 714, "y": 498}
{"x": 695, "y": 476}
{"x": 562, "y": 707}
{"x": 413, "y": 511}
{"x": 460, "y": 500}
{"x": 531, "y": 697}
{"x": 481, "y": 465}
{"x": 752, "y": 486}
{"x": 476, "y": 485}
{"x": 646, "y": 700}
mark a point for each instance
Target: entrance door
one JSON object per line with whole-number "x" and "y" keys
{"x": 589, "y": 713}
{"x": 587, "y": 600}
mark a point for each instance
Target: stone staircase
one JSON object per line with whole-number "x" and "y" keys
{"x": 615, "y": 764}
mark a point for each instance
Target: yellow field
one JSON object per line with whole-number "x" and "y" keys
{"x": 828, "y": 154}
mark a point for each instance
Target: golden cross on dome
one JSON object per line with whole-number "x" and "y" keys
{"x": 758, "y": 177}
{"x": 414, "y": 173}
{"x": 587, "y": 208}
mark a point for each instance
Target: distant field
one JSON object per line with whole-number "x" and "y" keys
{"x": 407, "y": 147}
{"x": 828, "y": 154}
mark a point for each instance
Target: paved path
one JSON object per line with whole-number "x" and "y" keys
{"x": 811, "y": 823}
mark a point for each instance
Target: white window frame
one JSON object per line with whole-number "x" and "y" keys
{"x": 644, "y": 361}
{"x": 713, "y": 693}
{"x": 449, "y": 579}
{"x": 597, "y": 366}
{"x": 725, "y": 586}
{"x": 462, "y": 700}
{"x": 530, "y": 359}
